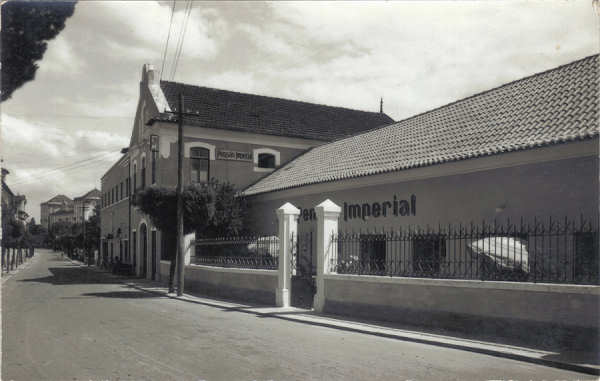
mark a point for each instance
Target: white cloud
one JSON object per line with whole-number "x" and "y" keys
{"x": 60, "y": 56}
{"x": 20, "y": 136}
{"x": 231, "y": 80}
{"x": 149, "y": 26}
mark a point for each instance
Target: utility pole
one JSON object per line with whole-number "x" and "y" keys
{"x": 180, "y": 243}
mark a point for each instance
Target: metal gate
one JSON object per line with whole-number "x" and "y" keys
{"x": 303, "y": 269}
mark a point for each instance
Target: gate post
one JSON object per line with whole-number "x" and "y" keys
{"x": 327, "y": 226}
{"x": 189, "y": 249}
{"x": 287, "y": 216}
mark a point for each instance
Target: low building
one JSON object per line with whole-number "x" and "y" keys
{"x": 516, "y": 155}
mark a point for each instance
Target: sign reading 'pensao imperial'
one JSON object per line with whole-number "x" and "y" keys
{"x": 234, "y": 155}
{"x": 366, "y": 210}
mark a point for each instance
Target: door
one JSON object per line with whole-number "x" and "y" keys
{"x": 153, "y": 254}
{"x": 303, "y": 269}
{"x": 144, "y": 250}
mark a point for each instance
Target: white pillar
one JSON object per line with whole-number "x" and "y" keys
{"x": 287, "y": 216}
{"x": 189, "y": 248}
{"x": 327, "y": 226}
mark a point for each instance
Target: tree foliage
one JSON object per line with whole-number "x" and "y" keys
{"x": 26, "y": 28}
{"x": 210, "y": 210}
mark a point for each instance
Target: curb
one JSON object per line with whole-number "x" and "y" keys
{"x": 308, "y": 317}
{"x": 305, "y": 316}
{"x": 8, "y": 275}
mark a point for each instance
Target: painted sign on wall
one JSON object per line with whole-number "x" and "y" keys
{"x": 234, "y": 155}
{"x": 364, "y": 211}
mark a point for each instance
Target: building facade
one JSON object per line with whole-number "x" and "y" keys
{"x": 56, "y": 203}
{"x": 526, "y": 152}
{"x": 11, "y": 205}
{"x": 84, "y": 206}
{"x": 228, "y": 136}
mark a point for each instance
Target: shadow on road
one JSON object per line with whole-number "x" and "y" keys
{"x": 74, "y": 275}
{"x": 122, "y": 294}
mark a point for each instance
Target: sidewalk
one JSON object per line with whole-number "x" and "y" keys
{"x": 576, "y": 361}
{"x": 26, "y": 263}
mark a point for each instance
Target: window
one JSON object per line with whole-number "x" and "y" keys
{"x": 127, "y": 187}
{"x": 266, "y": 160}
{"x": 125, "y": 251}
{"x": 586, "y": 257}
{"x": 154, "y": 153}
{"x": 372, "y": 253}
{"x": 122, "y": 195}
{"x": 199, "y": 165}
{"x": 428, "y": 252}
{"x": 134, "y": 177}
{"x": 143, "y": 175}
{"x": 134, "y": 248}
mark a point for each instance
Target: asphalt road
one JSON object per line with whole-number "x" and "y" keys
{"x": 65, "y": 322}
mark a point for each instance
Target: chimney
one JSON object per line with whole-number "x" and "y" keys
{"x": 381, "y": 105}
{"x": 4, "y": 173}
{"x": 149, "y": 75}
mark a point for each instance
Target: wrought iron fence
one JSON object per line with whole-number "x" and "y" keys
{"x": 255, "y": 252}
{"x": 549, "y": 250}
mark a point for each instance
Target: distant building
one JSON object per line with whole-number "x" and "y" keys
{"x": 12, "y": 205}
{"x": 85, "y": 205}
{"x": 66, "y": 214}
{"x": 53, "y": 205}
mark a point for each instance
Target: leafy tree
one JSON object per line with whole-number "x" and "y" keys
{"x": 37, "y": 234}
{"x": 61, "y": 235}
{"x": 211, "y": 210}
{"x": 26, "y": 28}
{"x": 92, "y": 230}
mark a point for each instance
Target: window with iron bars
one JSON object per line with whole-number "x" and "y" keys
{"x": 586, "y": 264}
{"x": 534, "y": 250}
{"x": 429, "y": 251}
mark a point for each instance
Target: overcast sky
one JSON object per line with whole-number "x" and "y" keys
{"x": 416, "y": 55}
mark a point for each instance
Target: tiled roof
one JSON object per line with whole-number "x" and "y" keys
{"x": 230, "y": 110}
{"x": 555, "y": 106}
{"x": 59, "y": 199}
{"x": 94, "y": 193}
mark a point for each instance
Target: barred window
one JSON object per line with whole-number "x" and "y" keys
{"x": 372, "y": 253}
{"x": 428, "y": 252}
{"x": 586, "y": 266}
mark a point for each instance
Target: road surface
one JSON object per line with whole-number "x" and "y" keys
{"x": 61, "y": 321}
